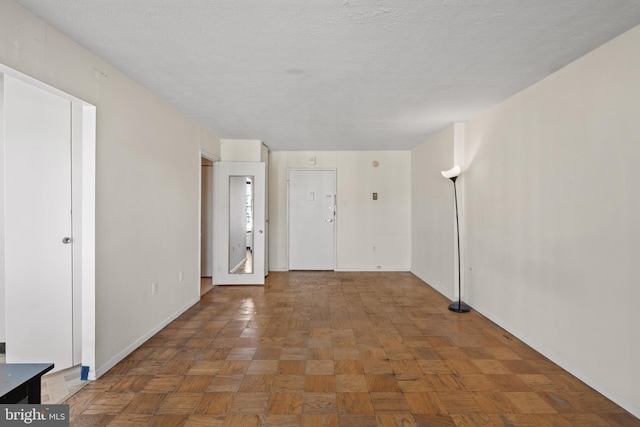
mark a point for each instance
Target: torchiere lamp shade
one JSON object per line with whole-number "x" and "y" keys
{"x": 454, "y": 172}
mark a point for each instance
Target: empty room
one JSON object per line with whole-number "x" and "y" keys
{"x": 339, "y": 213}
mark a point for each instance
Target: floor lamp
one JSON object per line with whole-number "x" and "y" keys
{"x": 458, "y": 307}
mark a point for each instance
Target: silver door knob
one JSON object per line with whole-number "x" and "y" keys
{"x": 66, "y": 240}
{"x": 260, "y": 231}
{"x": 329, "y": 220}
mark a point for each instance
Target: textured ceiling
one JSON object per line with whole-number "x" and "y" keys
{"x": 337, "y": 75}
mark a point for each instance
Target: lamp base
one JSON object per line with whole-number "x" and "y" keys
{"x": 459, "y": 307}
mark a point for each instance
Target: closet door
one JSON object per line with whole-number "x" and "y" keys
{"x": 38, "y": 239}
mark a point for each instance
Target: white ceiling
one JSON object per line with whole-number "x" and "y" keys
{"x": 337, "y": 74}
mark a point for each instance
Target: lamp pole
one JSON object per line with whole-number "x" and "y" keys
{"x": 458, "y": 307}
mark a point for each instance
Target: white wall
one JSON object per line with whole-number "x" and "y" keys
{"x": 242, "y": 150}
{"x": 374, "y": 234}
{"x": 148, "y": 165}
{"x": 552, "y": 210}
{"x": 432, "y": 209}
{"x": 279, "y": 161}
{"x": 362, "y": 223}
{"x": 551, "y": 222}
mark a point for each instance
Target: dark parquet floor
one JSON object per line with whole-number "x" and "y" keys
{"x": 337, "y": 349}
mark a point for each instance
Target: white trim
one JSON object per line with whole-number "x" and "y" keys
{"x": 555, "y": 358}
{"x": 632, "y": 407}
{"x": 214, "y": 158}
{"x": 374, "y": 270}
{"x": 356, "y": 270}
{"x": 37, "y": 83}
{"x": 439, "y": 289}
{"x": 88, "y": 344}
{"x": 137, "y": 343}
{"x": 234, "y": 269}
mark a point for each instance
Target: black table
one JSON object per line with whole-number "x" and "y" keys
{"x": 20, "y": 382}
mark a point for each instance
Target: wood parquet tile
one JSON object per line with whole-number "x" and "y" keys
{"x": 332, "y": 349}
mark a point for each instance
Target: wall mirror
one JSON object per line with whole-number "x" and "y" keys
{"x": 241, "y": 205}
{"x": 241, "y": 224}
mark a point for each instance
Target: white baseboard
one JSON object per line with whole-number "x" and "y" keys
{"x": 137, "y": 343}
{"x": 440, "y": 291}
{"x": 373, "y": 270}
{"x": 555, "y": 358}
{"x": 632, "y": 407}
{"x": 354, "y": 270}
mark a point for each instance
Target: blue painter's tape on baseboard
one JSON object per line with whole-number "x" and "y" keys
{"x": 84, "y": 373}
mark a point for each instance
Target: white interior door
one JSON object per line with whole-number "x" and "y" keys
{"x": 38, "y": 265}
{"x": 240, "y": 217}
{"x": 312, "y": 219}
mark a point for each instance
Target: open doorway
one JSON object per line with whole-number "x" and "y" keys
{"x": 207, "y": 212}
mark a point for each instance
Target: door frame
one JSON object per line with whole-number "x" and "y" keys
{"x": 83, "y": 190}
{"x": 214, "y": 158}
{"x": 335, "y": 217}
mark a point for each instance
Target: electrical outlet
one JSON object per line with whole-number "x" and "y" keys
{"x": 154, "y": 288}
